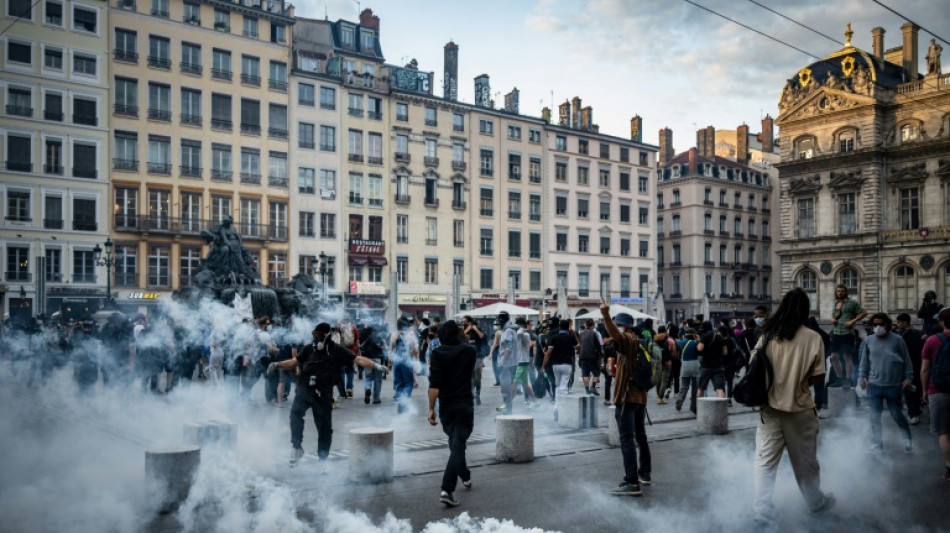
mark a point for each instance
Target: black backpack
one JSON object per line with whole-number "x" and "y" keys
{"x": 646, "y": 373}
{"x": 753, "y": 389}
{"x": 940, "y": 369}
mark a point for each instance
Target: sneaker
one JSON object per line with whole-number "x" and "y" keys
{"x": 645, "y": 479}
{"x": 729, "y": 403}
{"x": 467, "y": 483}
{"x": 448, "y": 499}
{"x": 323, "y": 467}
{"x": 826, "y": 506}
{"x": 914, "y": 420}
{"x": 876, "y": 448}
{"x": 367, "y": 397}
{"x": 496, "y": 384}
{"x": 349, "y": 393}
{"x": 295, "y": 455}
{"x": 661, "y": 401}
{"x": 908, "y": 447}
{"x": 607, "y": 403}
{"x": 532, "y": 405}
{"x": 501, "y": 408}
{"x": 377, "y": 401}
{"x": 594, "y": 392}
{"x": 679, "y": 405}
{"x": 627, "y": 489}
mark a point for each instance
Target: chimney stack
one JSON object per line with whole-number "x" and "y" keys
{"x": 576, "y": 114}
{"x": 511, "y": 101}
{"x": 666, "y": 146}
{"x": 482, "y": 91}
{"x": 564, "y": 114}
{"x": 636, "y": 129}
{"x": 877, "y": 37}
{"x": 369, "y": 20}
{"x": 693, "y": 165}
{"x": 701, "y": 140}
{"x": 768, "y": 137}
{"x": 546, "y": 114}
{"x": 910, "y": 30}
{"x": 450, "y": 83}
{"x": 710, "y": 142}
{"x": 587, "y": 118}
{"x": 742, "y": 144}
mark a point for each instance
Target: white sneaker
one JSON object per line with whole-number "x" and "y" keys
{"x": 323, "y": 467}
{"x": 295, "y": 455}
{"x": 914, "y": 420}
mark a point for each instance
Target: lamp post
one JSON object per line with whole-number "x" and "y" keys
{"x": 326, "y": 263}
{"x": 107, "y": 261}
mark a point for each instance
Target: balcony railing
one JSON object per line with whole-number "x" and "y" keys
{"x": 431, "y": 122}
{"x": 126, "y": 110}
{"x": 190, "y": 120}
{"x": 194, "y": 226}
{"x": 126, "y": 279}
{"x": 515, "y": 215}
{"x": 355, "y": 198}
{"x": 458, "y": 204}
{"x": 251, "y": 79}
{"x": 159, "y": 62}
{"x": 188, "y": 171}
{"x": 19, "y": 166}
{"x": 277, "y": 181}
{"x": 431, "y": 161}
{"x": 431, "y": 242}
{"x": 159, "y": 114}
{"x": 432, "y": 202}
{"x": 374, "y": 115}
{"x": 374, "y": 160}
{"x": 221, "y": 74}
{"x": 53, "y": 223}
{"x": 125, "y": 55}
{"x": 55, "y": 170}
{"x": 251, "y": 129}
{"x": 534, "y": 217}
{"x": 306, "y": 144}
{"x": 221, "y": 175}
{"x": 159, "y": 168}
{"x": 402, "y": 157}
{"x": 355, "y": 158}
{"x": 190, "y": 68}
{"x": 277, "y": 133}
{"x": 19, "y": 275}
{"x": 54, "y": 116}
{"x": 402, "y": 199}
{"x": 251, "y": 178}
{"x": 486, "y": 212}
{"x": 85, "y": 225}
{"x": 84, "y": 172}
{"x": 221, "y": 124}
{"x": 277, "y": 85}
{"x": 458, "y": 165}
{"x": 374, "y": 202}
{"x": 20, "y": 111}
{"x": 125, "y": 164}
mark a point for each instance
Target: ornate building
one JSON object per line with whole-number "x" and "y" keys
{"x": 865, "y": 176}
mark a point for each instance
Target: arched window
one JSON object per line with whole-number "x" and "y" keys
{"x": 805, "y": 148}
{"x": 849, "y": 278}
{"x": 846, "y": 141}
{"x": 909, "y": 132}
{"x": 944, "y": 284}
{"x": 808, "y": 281}
{"x": 905, "y": 288}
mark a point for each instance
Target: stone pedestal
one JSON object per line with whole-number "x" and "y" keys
{"x": 371, "y": 455}
{"x": 613, "y": 432}
{"x": 712, "y": 415}
{"x": 210, "y": 433}
{"x": 577, "y": 412}
{"x": 841, "y": 401}
{"x": 514, "y": 438}
{"x": 169, "y": 473}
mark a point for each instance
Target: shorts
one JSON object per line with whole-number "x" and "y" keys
{"x": 588, "y": 367}
{"x": 843, "y": 344}
{"x": 521, "y": 373}
{"x": 717, "y": 375}
{"x": 939, "y": 413}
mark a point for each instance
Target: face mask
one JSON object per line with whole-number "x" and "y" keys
{"x": 622, "y": 329}
{"x": 880, "y": 331}
{"x": 759, "y": 321}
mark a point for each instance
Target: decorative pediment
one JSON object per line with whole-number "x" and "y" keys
{"x": 943, "y": 169}
{"x": 460, "y": 178}
{"x": 804, "y": 186}
{"x": 824, "y": 102}
{"x": 908, "y": 175}
{"x": 606, "y": 229}
{"x": 846, "y": 180}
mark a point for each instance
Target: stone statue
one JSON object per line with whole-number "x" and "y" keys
{"x": 933, "y": 57}
{"x": 228, "y": 259}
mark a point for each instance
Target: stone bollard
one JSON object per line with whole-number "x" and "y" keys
{"x": 371, "y": 455}
{"x": 514, "y": 438}
{"x": 169, "y": 473}
{"x": 841, "y": 401}
{"x": 712, "y": 415}
{"x": 211, "y": 432}
{"x": 613, "y": 431}
{"x": 577, "y": 412}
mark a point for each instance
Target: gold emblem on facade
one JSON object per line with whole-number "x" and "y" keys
{"x": 804, "y": 77}
{"x": 847, "y": 66}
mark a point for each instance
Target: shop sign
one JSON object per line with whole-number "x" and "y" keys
{"x": 422, "y": 299}
{"x": 360, "y": 246}
{"x": 144, "y": 295}
{"x": 367, "y": 287}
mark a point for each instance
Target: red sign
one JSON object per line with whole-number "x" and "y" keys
{"x": 358, "y": 246}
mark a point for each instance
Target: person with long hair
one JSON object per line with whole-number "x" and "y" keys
{"x": 789, "y": 420}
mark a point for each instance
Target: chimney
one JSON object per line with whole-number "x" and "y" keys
{"x": 482, "y": 91}
{"x": 546, "y": 114}
{"x": 742, "y": 144}
{"x": 564, "y": 114}
{"x": 511, "y": 101}
{"x": 877, "y": 37}
{"x": 576, "y": 115}
{"x": 666, "y": 146}
{"x": 910, "y": 48}
{"x": 369, "y": 20}
{"x": 768, "y": 137}
{"x": 701, "y": 141}
{"x": 450, "y": 83}
{"x": 710, "y": 142}
{"x": 693, "y": 166}
{"x": 587, "y": 118}
{"x": 636, "y": 129}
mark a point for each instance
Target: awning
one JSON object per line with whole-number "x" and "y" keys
{"x": 482, "y": 302}
{"x": 422, "y": 307}
{"x": 363, "y": 260}
{"x": 378, "y": 261}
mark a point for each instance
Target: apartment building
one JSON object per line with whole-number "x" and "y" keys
{"x": 55, "y": 143}
{"x": 200, "y": 113}
{"x": 600, "y": 233}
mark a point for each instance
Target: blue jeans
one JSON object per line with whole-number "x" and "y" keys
{"x": 346, "y": 375}
{"x": 402, "y": 382}
{"x": 373, "y": 380}
{"x": 877, "y": 395}
{"x": 630, "y": 424}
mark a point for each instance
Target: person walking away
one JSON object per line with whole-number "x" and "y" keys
{"x": 630, "y": 405}
{"x": 846, "y": 314}
{"x": 668, "y": 353}
{"x": 592, "y": 351}
{"x": 689, "y": 375}
{"x": 521, "y": 350}
{"x": 349, "y": 339}
{"x": 477, "y": 339}
{"x": 677, "y": 365}
{"x": 884, "y": 371}
{"x": 318, "y": 366}
{"x": 371, "y": 349}
{"x": 789, "y": 420}
{"x": 451, "y": 366}
{"x": 915, "y": 347}
{"x": 507, "y": 361}
{"x": 559, "y": 358}
{"x": 404, "y": 354}
{"x": 821, "y": 391}
{"x": 935, "y": 376}
{"x": 493, "y": 352}
{"x": 711, "y": 350}
{"x": 928, "y": 311}
{"x": 732, "y": 360}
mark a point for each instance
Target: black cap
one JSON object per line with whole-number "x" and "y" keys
{"x": 323, "y": 328}
{"x": 503, "y": 317}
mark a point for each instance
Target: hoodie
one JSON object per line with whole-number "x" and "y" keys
{"x": 450, "y": 371}
{"x": 510, "y": 349}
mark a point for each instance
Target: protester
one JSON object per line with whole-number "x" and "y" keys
{"x": 789, "y": 420}
{"x": 668, "y": 350}
{"x": 559, "y": 358}
{"x": 592, "y": 351}
{"x": 372, "y": 349}
{"x": 884, "y": 371}
{"x": 477, "y": 339}
{"x": 711, "y": 350}
{"x": 404, "y": 354}
{"x": 451, "y": 366}
{"x": 934, "y": 368}
{"x": 689, "y": 375}
{"x": 928, "y": 311}
{"x": 847, "y": 313}
{"x": 915, "y": 346}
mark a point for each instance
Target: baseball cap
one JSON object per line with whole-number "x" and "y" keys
{"x": 944, "y": 315}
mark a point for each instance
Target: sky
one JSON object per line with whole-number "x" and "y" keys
{"x": 672, "y": 63}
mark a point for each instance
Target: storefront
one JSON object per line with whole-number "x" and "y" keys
{"x": 367, "y": 302}
{"x": 423, "y": 305}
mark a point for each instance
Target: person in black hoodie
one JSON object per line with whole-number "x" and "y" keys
{"x": 451, "y": 367}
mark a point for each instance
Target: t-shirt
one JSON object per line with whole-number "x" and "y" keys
{"x": 793, "y": 363}
{"x": 849, "y": 310}
{"x": 324, "y": 365}
{"x": 562, "y": 348}
{"x": 712, "y": 351}
{"x": 591, "y": 344}
{"x": 450, "y": 370}
{"x": 931, "y": 345}
{"x": 688, "y": 349}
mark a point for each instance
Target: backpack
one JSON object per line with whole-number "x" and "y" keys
{"x": 940, "y": 369}
{"x": 646, "y": 373}
{"x": 753, "y": 389}
{"x": 347, "y": 336}
{"x": 665, "y": 350}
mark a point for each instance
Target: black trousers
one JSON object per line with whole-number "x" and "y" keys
{"x": 633, "y": 438}
{"x": 458, "y": 419}
{"x": 322, "y": 407}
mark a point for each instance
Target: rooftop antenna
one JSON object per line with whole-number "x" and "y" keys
{"x": 358, "y": 10}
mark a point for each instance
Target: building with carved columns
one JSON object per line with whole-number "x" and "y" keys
{"x": 865, "y": 176}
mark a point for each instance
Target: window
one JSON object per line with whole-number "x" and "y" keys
{"x": 190, "y": 158}
{"x": 560, "y": 171}
{"x": 486, "y": 242}
{"x": 561, "y": 241}
{"x": 905, "y": 288}
{"x": 159, "y": 102}
{"x": 605, "y": 210}
{"x": 159, "y": 154}
{"x": 277, "y": 121}
{"x": 751, "y": 227}
{"x": 430, "y": 116}
{"x": 624, "y": 181}
{"x": 222, "y": 20}
{"x": 158, "y": 266}
{"x": 84, "y": 64}
{"x": 402, "y": 229}
{"x": 190, "y": 107}
{"x": 534, "y": 245}
{"x": 514, "y": 205}
{"x": 514, "y": 132}
{"x": 625, "y": 213}
{"x": 514, "y": 243}
{"x": 676, "y": 197}
{"x": 908, "y": 132}
{"x": 485, "y": 127}
{"x": 605, "y": 244}
{"x": 583, "y": 175}
{"x": 514, "y": 276}
{"x": 220, "y": 208}
{"x": 85, "y": 19}
{"x": 583, "y": 284}
{"x": 53, "y": 153}
{"x": 737, "y": 226}
{"x": 560, "y": 143}
{"x": 514, "y": 167}
{"x": 458, "y": 122}
{"x": 84, "y": 267}
{"x": 159, "y": 52}
{"x": 18, "y": 52}
{"x": 486, "y": 162}
{"x": 805, "y": 148}
{"x": 250, "y": 165}
{"x": 583, "y": 243}
{"x": 327, "y": 138}
{"x": 534, "y": 207}
{"x": 277, "y": 169}
{"x": 604, "y": 179}
{"x": 677, "y": 258}
{"x": 722, "y": 254}
{"x": 847, "y": 214}
{"x": 374, "y": 185}
{"x": 305, "y": 135}
{"x": 534, "y": 170}
{"x": 327, "y": 226}
{"x": 909, "y": 208}
{"x": 806, "y": 218}
{"x": 191, "y": 58}
{"x": 327, "y": 98}
{"x": 221, "y": 112}
{"x": 644, "y": 215}
{"x": 402, "y": 111}
{"x": 809, "y": 284}
{"x": 534, "y": 135}
{"x": 277, "y": 33}
{"x": 53, "y": 58}
{"x": 307, "y": 224}
{"x": 582, "y": 146}
{"x": 84, "y": 111}
{"x": 20, "y": 102}
{"x": 849, "y": 278}
{"x": 676, "y": 223}
{"x": 486, "y": 277}
{"x": 582, "y": 207}
{"x": 250, "y": 216}
{"x": 560, "y": 205}
{"x": 250, "y": 27}
{"x": 458, "y": 233}
{"x": 250, "y": 70}
{"x": 643, "y": 185}
{"x": 356, "y": 188}
{"x": 18, "y": 206}
{"x": 431, "y": 190}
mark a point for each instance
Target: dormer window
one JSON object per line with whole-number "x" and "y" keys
{"x": 846, "y": 142}
{"x": 707, "y": 170}
{"x": 805, "y": 148}
{"x": 347, "y": 36}
{"x": 909, "y": 132}
{"x": 367, "y": 39}
{"x": 676, "y": 171}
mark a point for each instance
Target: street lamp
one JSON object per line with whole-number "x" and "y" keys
{"x": 107, "y": 261}
{"x": 326, "y": 263}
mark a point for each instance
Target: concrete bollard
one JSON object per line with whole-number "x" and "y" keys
{"x": 211, "y": 432}
{"x": 712, "y": 415}
{"x": 371, "y": 455}
{"x": 841, "y": 401}
{"x": 169, "y": 473}
{"x": 514, "y": 438}
{"x": 577, "y": 412}
{"x": 613, "y": 431}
